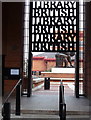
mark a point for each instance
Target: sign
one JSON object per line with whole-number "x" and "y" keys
{"x": 54, "y": 26}
{"x": 12, "y": 73}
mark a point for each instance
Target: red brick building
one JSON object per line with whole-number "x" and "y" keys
{"x": 43, "y": 64}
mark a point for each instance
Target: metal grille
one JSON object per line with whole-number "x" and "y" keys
{"x": 54, "y": 26}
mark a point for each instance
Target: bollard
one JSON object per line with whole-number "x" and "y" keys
{"x": 6, "y": 111}
{"x": 62, "y": 105}
{"x": 18, "y": 95}
{"x": 62, "y": 111}
{"x": 64, "y": 115}
{"x": 61, "y": 94}
{"x": 47, "y": 84}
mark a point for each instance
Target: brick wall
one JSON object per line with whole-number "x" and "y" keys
{"x": 50, "y": 64}
{"x": 12, "y": 35}
{"x": 43, "y": 64}
{"x": 38, "y": 64}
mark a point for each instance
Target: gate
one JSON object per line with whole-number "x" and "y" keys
{"x": 54, "y": 27}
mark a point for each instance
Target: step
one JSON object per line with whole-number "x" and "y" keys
{"x": 52, "y": 112}
{"x": 47, "y": 117}
{"x": 40, "y": 112}
{"x": 50, "y": 115}
{"x": 35, "y": 117}
{"x": 77, "y": 117}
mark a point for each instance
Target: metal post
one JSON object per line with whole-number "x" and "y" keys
{"x": 29, "y": 89}
{"x": 18, "y": 95}
{"x": 77, "y": 76}
{"x": 6, "y": 111}
{"x": 64, "y": 114}
{"x": 60, "y": 110}
{"x": 77, "y": 55}
{"x": 60, "y": 102}
{"x": 60, "y": 94}
{"x": 45, "y": 84}
{"x": 62, "y": 105}
{"x": 48, "y": 83}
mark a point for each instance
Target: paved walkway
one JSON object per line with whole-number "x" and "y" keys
{"x": 48, "y": 100}
{"x": 45, "y": 104}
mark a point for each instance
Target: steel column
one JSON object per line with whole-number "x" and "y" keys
{"x": 29, "y": 91}
{"x": 77, "y": 55}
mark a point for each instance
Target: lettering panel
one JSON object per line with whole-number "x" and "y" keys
{"x": 54, "y": 26}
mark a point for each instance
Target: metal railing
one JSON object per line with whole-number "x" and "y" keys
{"x": 62, "y": 105}
{"x": 6, "y": 105}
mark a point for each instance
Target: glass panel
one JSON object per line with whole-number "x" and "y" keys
{"x": 80, "y": 9}
{"x": 26, "y": 48}
{"x": 26, "y": 40}
{"x": 27, "y": 3}
{"x": 25, "y": 56}
{"x": 26, "y": 24}
{"x": 26, "y": 32}
{"x": 81, "y": 24}
{"x": 26, "y": 17}
{"x": 27, "y": 9}
{"x": 80, "y": 16}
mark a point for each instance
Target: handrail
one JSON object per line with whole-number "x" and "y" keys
{"x": 20, "y": 80}
{"x": 6, "y": 105}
